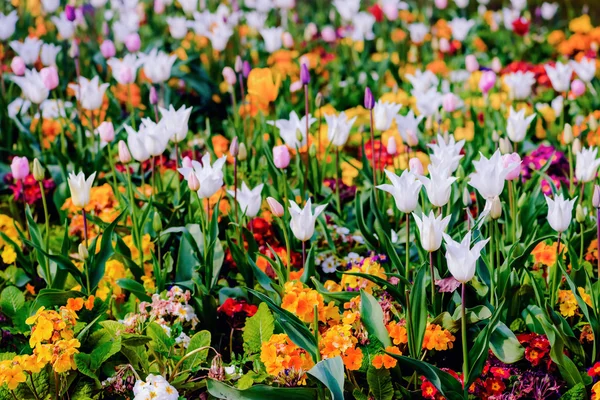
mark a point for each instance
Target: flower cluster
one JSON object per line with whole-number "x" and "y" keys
{"x": 154, "y": 387}
{"x": 285, "y": 361}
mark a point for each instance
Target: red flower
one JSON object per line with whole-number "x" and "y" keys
{"x": 594, "y": 370}
{"x": 377, "y": 12}
{"x": 494, "y": 386}
{"x": 521, "y": 26}
{"x": 428, "y": 391}
{"x": 534, "y": 355}
{"x": 233, "y": 308}
{"x": 499, "y": 372}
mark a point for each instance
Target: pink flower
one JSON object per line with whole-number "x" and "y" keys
{"x": 19, "y": 168}
{"x": 229, "y": 75}
{"x": 392, "y": 146}
{"x": 133, "y": 42}
{"x": 515, "y": 160}
{"x": 471, "y": 63}
{"x": 578, "y": 87}
{"x": 107, "y": 48}
{"x": 124, "y": 154}
{"x": 295, "y": 86}
{"x": 281, "y": 156}
{"x": 328, "y": 34}
{"x": 450, "y": 102}
{"x": 186, "y": 162}
{"x": 18, "y": 66}
{"x": 288, "y": 40}
{"x": 487, "y": 81}
{"x": 106, "y": 131}
{"x": 49, "y": 77}
{"x": 275, "y": 206}
{"x": 416, "y": 166}
{"x": 441, "y": 4}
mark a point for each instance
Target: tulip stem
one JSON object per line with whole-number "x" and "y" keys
{"x": 491, "y": 265}
{"x": 463, "y": 332}
{"x": 307, "y": 163}
{"x": 407, "y": 251}
{"x": 134, "y": 231}
{"x": 598, "y": 241}
{"x": 85, "y": 262}
{"x": 570, "y": 169}
{"x": 47, "y": 222}
{"x": 513, "y": 212}
{"x": 337, "y": 180}
{"x": 303, "y": 253}
{"x": 432, "y": 272}
{"x": 373, "y": 152}
{"x": 556, "y": 274}
{"x": 111, "y": 161}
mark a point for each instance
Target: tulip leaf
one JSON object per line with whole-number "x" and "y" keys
{"x": 505, "y": 345}
{"x": 331, "y": 372}
{"x": 418, "y": 312}
{"x": 371, "y": 315}
{"x": 221, "y": 390}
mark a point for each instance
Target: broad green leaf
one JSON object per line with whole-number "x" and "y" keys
{"x": 134, "y": 287}
{"x": 258, "y": 329}
{"x": 505, "y": 344}
{"x": 380, "y": 383}
{"x": 371, "y": 315}
{"x": 331, "y": 373}
{"x": 221, "y": 390}
{"x": 11, "y": 301}
{"x": 198, "y": 341}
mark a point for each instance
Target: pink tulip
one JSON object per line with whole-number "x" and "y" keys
{"x": 124, "y": 154}
{"x": 107, "y": 48}
{"x": 275, "y": 206}
{"x": 17, "y": 65}
{"x": 288, "y": 40}
{"x": 328, "y": 34}
{"x": 19, "y": 168}
{"x": 487, "y": 81}
{"x": 392, "y": 147}
{"x": 49, "y": 77}
{"x": 444, "y": 45}
{"x": 295, "y": 86}
{"x": 450, "y": 102}
{"x": 416, "y": 166}
{"x": 229, "y": 75}
{"x": 186, "y": 162}
{"x": 578, "y": 87}
{"x": 509, "y": 159}
{"x": 496, "y": 65}
{"x": 106, "y": 131}
{"x": 441, "y": 4}
{"x": 133, "y": 42}
{"x": 281, "y": 156}
{"x": 471, "y": 63}
{"x": 193, "y": 182}
{"x": 159, "y": 7}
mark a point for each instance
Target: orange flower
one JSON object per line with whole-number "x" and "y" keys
{"x": 262, "y": 85}
{"x": 89, "y": 303}
{"x": 437, "y": 338}
{"x": 75, "y": 304}
{"x": 397, "y": 333}
{"x": 353, "y": 358}
{"x": 385, "y": 360}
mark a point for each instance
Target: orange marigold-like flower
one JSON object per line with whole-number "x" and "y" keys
{"x": 385, "y": 360}
{"x": 437, "y": 338}
{"x": 397, "y": 333}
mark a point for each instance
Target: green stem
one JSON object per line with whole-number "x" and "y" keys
{"x": 337, "y": 181}
{"x": 135, "y": 230}
{"x": 47, "y": 238}
{"x": 111, "y": 162}
{"x": 316, "y": 332}
{"x": 432, "y": 272}
{"x": 491, "y": 266}
{"x": 570, "y": 169}
{"x": 463, "y": 332}
{"x": 555, "y": 275}
{"x": 407, "y": 251}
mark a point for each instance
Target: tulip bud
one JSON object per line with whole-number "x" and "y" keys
{"x": 460, "y": 172}
{"x": 124, "y": 154}
{"x": 487, "y": 81}
{"x": 466, "y": 198}
{"x": 380, "y": 45}
{"x": 19, "y": 167}
{"x": 281, "y": 156}
{"x": 471, "y": 63}
{"x": 319, "y": 100}
{"x": 38, "y": 170}
{"x": 186, "y": 162}
{"x": 74, "y": 49}
{"x": 107, "y": 48}
{"x": 593, "y": 123}
{"x": 576, "y": 146}
{"x": 496, "y": 210}
{"x": 522, "y": 201}
{"x": 444, "y": 45}
{"x": 299, "y": 136}
{"x": 70, "y": 12}
{"x": 133, "y": 42}
{"x": 578, "y": 87}
{"x": 234, "y": 147}
{"x": 596, "y": 197}
{"x": 153, "y": 95}
{"x": 288, "y": 40}
{"x": 17, "y": 65}
{"x": 496, "y": 65}
{"x": 304, "y": 74}
{"x": 579, "y": 214}
{"x": 106, "y": 131}
{"x": 391, "y": 146}
{"x": 246, "y": 68}
{"x": 242, "y": 152}
{"x": 49, "y": 77}
{"x": 568, "y": 134}
{"x": 495, "y": 136}
{"x": 83, "y": 252}
{"x": 275, "y": 206}
{"x": 328, "y": 34}
{"x": 450, "y": 102}
{"x": 312, "y": 150}
{"x": 416, "y": 166}
{"x": 441, "y": 4}
{"x": 193, "y": 182}
{"x": 505, "y": 146}
{"x": 157, "y": 222}
{"x": 369, "y": 100}
{"x": 238, "y": 64}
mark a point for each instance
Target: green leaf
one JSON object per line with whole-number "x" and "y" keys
{"x": 134, "y": 287}
{"x": 258, "y": 329}
{"x": 331, "y": 372}
{"x": 83, "y": 361}
{"x": 103, "y": 352}
{"x": 418, "y": 313}
{"x": 566, "y": 366}
{"x": 446, "y": 384}
{"x": 292, "y": 326}
{"x": 98, "y": 260}
{"x": 53, "y": 297}
{"x": 505, "y": 345}
{"x": 11, "y": 301}
{"x": 371, "y": 315}
{"x": 198, "y": 341}
{"x": 161, "y": 342}
{"x": 577, "y": 392}
{"x": 380, "y": 383}
{"x": 309, "y": 267}
{"x": 221, "y": 390}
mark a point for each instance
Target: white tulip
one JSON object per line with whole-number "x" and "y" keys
{"x": 405, "y": 189}
{"x": 338, "y": 128}
{"x": 517, "y": 125}
{"x": 209, "y": 176}
{"x": 303, "y": 219}
{"x": 560, "y": 212}
{"x": 80, "y": 188}
{"x": 461, "y": 258}
{"x": 249, "y": 200}
{"x": 586, "y": 165}
{"x": 431, "y": 229}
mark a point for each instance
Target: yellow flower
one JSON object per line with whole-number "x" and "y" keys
{"x": 336, "y": 341}
{"x": 7, "y": 226}
{"x": 41, "y": 332}
{"x": 437, "y": 338}
{"x": 567, "y": 303}
{"x": 262, "y": 86}
{"x": 281, "y": 356}
{"x": 32, "y": 363}
{"x": 302, "y": 301}
{"x": 11, "y": 374}
{"x": 9, "y": 255}
{"x": 582, "y": 24}
{"x": 368, "y": 266}
{"x": 63, "y": 359}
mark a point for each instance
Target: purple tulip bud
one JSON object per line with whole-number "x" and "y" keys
{"x": 234, "y": 147}
{"x": 70, "y": 12}
{"x": 369, "y": 100}
{"x": 304, "y": 74}
{"x": 153, "y": 95}
{"x": 596, "y": 197}
{"x": 246, "y": 68}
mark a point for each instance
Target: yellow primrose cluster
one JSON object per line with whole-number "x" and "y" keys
{"x": 52, "y": 342}
{"x": 369, "y": 266}
{"x": 7, "y": 226}
{"x": 301, "y": 301}
{"x": 568, "y": 304}
{"x": 282, "y": 357}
